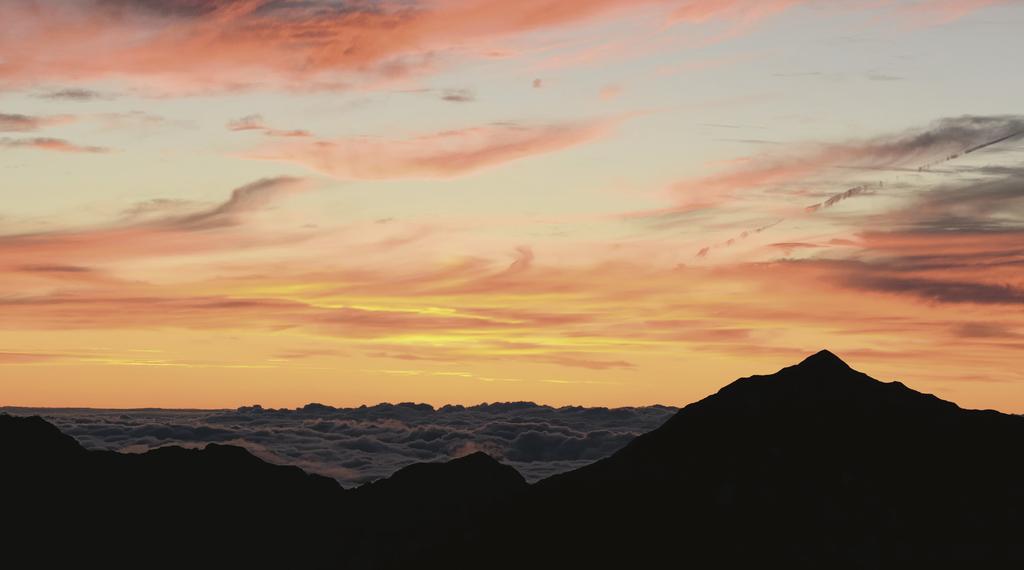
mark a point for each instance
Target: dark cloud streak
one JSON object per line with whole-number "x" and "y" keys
{"x": 458, "y": 96}
{"x": 943, "y": 291}
{"x": 51, "y": 144}
{"x": 75, "y": 94}
{"x": 245, "y": 199}
{"x": 18, "y": 123}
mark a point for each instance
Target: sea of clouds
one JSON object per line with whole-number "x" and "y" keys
{"x": 355, "y": 445}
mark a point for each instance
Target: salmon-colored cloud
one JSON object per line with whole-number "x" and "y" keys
{"x": 986, "y": 258}
{"x": 823, "y": 172}
{"x": 18, "y": 123}
{"x": 937, "y": 12}
{"x": 911, "y": 150}
{"x": 185, "y": 46}
{"x": 242, "y": 43}
{"x": 741, "y": 14}
{"x": 445, "y": 154}
{"x": 50, "y": 144}
{"x": 256, "y": 123}
{"x": 150, "y": 232}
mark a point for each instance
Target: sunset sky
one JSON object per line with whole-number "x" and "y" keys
{"x": 211, "y": 203}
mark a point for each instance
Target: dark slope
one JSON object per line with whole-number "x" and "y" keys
{"x": 222, "y": 506}
{"x": 816, "y": 466}
{"x": 170, "y": 505}
{"x": 404, "y": 517}
{"x": 430, "y": 485}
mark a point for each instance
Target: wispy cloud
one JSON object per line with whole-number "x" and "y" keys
{"x": 257, "y": 123}
{"x": 155, "y": 228}
{"x": 243, "y": 200}
{"x": 944, "y": 290}
{"x": 18, "y": 123}
{"x": 445, "y": 154}
{"x": 79, "y": 94}
{"x": 458, "y": 96}
{"x": 913, "y": 150}
{"x": 244, "y": 43}
{"x": 817, "y": 169}
{"x": 740, "y": 15}
{"x": 50, "y": 144}
{"x": 938, "y": 12}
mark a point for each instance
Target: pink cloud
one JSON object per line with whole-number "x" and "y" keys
{"x": 18, "y": 123}
{"x": 233, "y": 45}
{"x": 938, "y": 12}
{"x": 741, "y": 15}
{"x": 50, "y": 144}
{"x": 445, "y": 154}
{"x": 257, "y": 123}
{"x": 157, "y": 233}
{"x": 941, "y": 141}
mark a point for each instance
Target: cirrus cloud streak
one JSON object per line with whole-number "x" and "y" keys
{"x": 445, "y": 154}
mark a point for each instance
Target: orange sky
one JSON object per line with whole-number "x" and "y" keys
{"x": 218, "y": 203}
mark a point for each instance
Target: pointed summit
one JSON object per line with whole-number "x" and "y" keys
{"x": 823, "y": 360}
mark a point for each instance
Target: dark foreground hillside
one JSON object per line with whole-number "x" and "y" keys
{"x": 816, "y": 466}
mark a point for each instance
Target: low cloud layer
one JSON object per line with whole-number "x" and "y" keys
{"x": 356, "y": 445}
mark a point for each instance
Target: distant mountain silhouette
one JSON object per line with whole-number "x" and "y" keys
{"x": 816, "y": 466}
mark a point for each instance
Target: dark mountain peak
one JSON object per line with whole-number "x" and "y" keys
{"x": 819, "y": 395}
{"x": 823, "y": 360}
{"x": 820, "y": 373}
{"x": 821, "y": 385}
{"x": 822, "y": 376}
{"x": 473, "y": 477}
{"x": 476, "y": 458}
{"x": 474, "y": 469}
{"x": 458, "y": 487}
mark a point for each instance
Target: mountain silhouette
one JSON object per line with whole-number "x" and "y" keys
{"x": 223, "y": 506}
{"x": 405, "y": 516}
{"x": 815, "y": 466}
